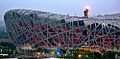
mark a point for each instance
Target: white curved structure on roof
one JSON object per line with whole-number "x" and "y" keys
{"x": 45, "y": 29}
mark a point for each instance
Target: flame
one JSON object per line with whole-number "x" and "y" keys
{"x": 86, "y": 7}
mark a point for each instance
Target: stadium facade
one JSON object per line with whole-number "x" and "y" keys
{"x": 45, "y": 29}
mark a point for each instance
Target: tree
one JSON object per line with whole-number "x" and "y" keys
{"x": 7, "y": 48}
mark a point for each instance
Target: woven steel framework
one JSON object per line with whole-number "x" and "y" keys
{"x": 45, "y": 29}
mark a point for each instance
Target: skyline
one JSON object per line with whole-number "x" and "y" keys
{"x": 65, "y": 7}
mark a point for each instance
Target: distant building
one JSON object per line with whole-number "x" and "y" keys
{"x": 4, "y": 36}
{"x": 4, "y": 39}
{"x": 45, "y": 29}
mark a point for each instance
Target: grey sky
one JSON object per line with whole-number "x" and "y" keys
{"x": 62, "y": 6}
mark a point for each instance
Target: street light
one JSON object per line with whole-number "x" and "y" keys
{"x": 80, "y": 56}
{"x": 38, "y": 53}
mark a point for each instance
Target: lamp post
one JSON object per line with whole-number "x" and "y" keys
{"x": 1, "y": 51}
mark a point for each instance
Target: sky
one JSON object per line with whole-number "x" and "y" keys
{"x": 71, "y": 7}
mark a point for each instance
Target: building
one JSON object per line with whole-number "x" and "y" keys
{"x": 45, "y": 29}
{"x": 4, "y": 37}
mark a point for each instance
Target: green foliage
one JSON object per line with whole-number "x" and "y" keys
{"x": 7, "y": 47}
{"x": 110, "y": 55}
{"x": 42, "y": 50}
{"x": 118, "y": 53}
{"x": 97, "y": 55}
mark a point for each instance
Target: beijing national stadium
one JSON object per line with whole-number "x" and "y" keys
{"x": 46, "y": 29}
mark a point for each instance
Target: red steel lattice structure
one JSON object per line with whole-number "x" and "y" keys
{"x": 45, "y": 29}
